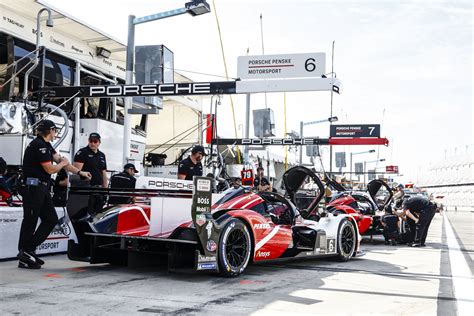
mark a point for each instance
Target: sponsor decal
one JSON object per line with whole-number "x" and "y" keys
{"x": 263, "y": 254}
{"x": 200, "y": 219}
{"x": 48, "y": 245}
{"x": 261, "y": 226}
{"x": 209, "y": 229}
{"x": 159, "y": 184}
{"x": 211, "y": 245}
{"x": 202, "y": 258}
{"x": 8, "y": 220}
{"x": 78, "y": 50}
{"x": 203, "y": 185}
{"x": 150, "y": 89}
{"x": 56, "y": 41}
{"x": 207, "y": 266}
{"x": 280, "y": 141}
{"x": 11, "y": 21}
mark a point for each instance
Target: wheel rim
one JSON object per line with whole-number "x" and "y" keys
{"x": 236, "y": 248}
{"x": 347, "y": 240}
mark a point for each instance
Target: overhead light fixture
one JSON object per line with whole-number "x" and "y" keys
{"x": 333, "y": 119}
{"x": 102, "y": 52}
{"x": 197, "y": 7}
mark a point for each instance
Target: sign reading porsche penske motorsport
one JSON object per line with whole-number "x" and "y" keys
{"x": 206, "y": 227}
{"x": 281, "y": 66}
{"x": 357, "y": 130}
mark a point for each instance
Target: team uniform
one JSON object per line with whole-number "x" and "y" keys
{"x": 260, "y": 181}
{"x": 37, "y": 201}
{"x": 390, "y": 228}
{"x": 122, "y": 180}
{"x": 189, "y": 168}
{"x": 425, "y": 210}
{"x": 95, "y": 163}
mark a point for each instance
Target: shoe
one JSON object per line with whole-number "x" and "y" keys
{"x": 38, "y": 259}
{"x": 30, "y": 258}
{"x": 422, "y": 245}
{"x": 387, "y": 242}
{"x": 25, "y": 265}
{"x": 393, "y": 243}
{"x": 416, "y": 245}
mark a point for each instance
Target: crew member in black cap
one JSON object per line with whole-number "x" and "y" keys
{"x": 37, "y": 203}
{"x": 424, "y": 211}
{"x": 192, "y": 166}
{"x": 123, "y": 180}
{"x": 91, "y": 159}
{"x": 261, "y": 183}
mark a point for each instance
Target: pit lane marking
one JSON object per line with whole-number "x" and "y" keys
{"x": 463, "y": 283}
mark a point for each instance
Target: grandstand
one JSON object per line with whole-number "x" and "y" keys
{"x": 453, "y": 178}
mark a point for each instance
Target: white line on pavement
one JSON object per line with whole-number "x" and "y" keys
{"x": 462, "y": 278}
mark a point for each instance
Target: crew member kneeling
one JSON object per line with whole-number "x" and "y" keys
{"x": 123, "y": 180}
{"x": 37, "y": 203}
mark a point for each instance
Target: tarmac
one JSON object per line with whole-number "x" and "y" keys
{"x": 395, "y": 280}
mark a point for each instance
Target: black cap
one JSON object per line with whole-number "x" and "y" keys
{"x": 199, "y": 149}
{"x": 45, "y": 125}
{"x": 94, "y": 136}
{"x": 130, "y": 166}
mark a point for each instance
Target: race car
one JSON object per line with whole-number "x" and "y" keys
{"x": 241, "y": 227}
{"x": 365, "y": 206}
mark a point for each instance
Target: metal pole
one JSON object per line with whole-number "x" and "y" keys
{"x": 332, "y": 76}
{"x": 365, "y": 173}
{"x": 77, "y": 110}
{"x": 247, "y": 128}
{"x": 128, "y": 80}
{"x": 350, "y": 173}
{"x": 301, "y": 146}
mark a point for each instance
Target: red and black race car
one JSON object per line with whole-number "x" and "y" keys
{"x": 241, "y": 227}
{"x": 365, "y": 206}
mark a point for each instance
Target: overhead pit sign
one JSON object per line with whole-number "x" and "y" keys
{"x": 281, "y": 66}
{"x": 355, "y": 130}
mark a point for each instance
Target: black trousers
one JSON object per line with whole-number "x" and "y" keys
{"x": 390, "y": 235}
{"x": 424, "y": 221}
{"x": 37, "y": 203}
{"x": 410, "y": 234}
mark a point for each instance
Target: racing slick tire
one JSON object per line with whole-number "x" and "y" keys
{"x": 346, "y": 240}
{"x": 235, "y": 247}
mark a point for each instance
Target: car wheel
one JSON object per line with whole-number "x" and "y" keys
{"x": 346, "y": 240}
{"x": 234, "y": 248}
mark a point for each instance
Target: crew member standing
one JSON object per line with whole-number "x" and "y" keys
{"x": 425, "y": 211}
{"x": 91, "y": 159}
{"x": 192, "y": 166}
{"x": 260, "y": 182}
{"x": 123, "y": 180}
{"x": 37, "y": 203}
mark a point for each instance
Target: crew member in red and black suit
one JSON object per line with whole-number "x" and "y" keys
{"x": 37, "y": 203}
{"x": 92, "y": 160}
{"x": 192, "y": 166}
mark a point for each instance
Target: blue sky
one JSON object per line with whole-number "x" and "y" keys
{"x": 411, "y": 60}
